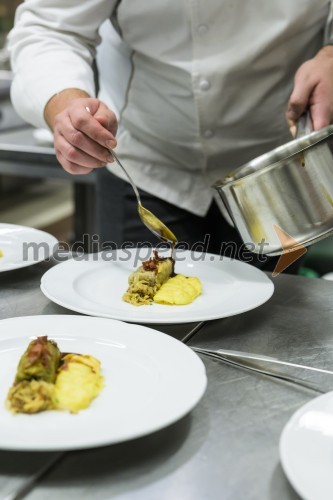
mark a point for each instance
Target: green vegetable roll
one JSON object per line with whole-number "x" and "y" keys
{"x": 39, "y": 362}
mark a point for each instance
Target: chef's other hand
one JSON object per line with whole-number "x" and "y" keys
{"x": 84, "y": 131}
{"x": 313, "y": 89}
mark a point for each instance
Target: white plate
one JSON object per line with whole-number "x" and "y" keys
{"x": 17, "y": 245}
{"x": 95, "y": 286}
{"x": 306, "y": 449}
{"x": 151, "y": 381}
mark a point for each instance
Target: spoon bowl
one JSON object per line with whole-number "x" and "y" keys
{"x": 153, "y": 223}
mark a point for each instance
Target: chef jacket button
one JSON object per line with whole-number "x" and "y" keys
{"x": 208, "y": 134}
{"x": 204, "y": 85}
{"x": 202, "y": 29}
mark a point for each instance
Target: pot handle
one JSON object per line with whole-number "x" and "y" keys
{"x": 304, "y": 125}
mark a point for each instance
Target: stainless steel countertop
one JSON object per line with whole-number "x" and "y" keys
{"x": 227, "y": 448}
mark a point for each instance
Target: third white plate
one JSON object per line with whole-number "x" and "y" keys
{"x": 306, "y": 449}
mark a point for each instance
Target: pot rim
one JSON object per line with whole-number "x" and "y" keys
{"x": 276, "y": 155}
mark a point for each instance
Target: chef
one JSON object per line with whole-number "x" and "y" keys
{"x": 212, "y": 84}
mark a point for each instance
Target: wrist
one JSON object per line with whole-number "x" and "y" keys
{"x": 59, "y": 102}
{"x": 327, "y": 50}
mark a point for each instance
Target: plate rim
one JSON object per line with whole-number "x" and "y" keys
{"x": 53, "y": 241}
{"x": 109, "y": 442}
{"x": 165, "y": 320}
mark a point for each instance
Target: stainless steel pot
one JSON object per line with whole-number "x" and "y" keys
{"x": 288, "y": 189}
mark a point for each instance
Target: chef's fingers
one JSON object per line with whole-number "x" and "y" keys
{"x": 299, "y": 99}
{"x": 76, "y": 156}
{"x": 71, "y": 168}
{"x": 312, "y": 95}
{"x": 82, "y": 143}
{"x": 106, "y": 118}
{"x": 320, "y": 107}
{"x": 84, "y": 121}
{"x": 313, "y": 89}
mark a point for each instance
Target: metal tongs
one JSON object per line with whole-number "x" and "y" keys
{"x": 269, "y": 366}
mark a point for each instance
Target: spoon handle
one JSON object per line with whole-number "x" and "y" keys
{"x": 115, "y": 157}
{"x": 135, "y": 189}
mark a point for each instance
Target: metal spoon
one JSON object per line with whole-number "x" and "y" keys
{"x": 148, "y": 218}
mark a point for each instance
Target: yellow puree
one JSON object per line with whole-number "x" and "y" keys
{"x": 179, "y": 290}
{"x": 78, "y": 382}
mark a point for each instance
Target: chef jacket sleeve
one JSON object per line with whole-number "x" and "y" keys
{"x": 52, "y": 46}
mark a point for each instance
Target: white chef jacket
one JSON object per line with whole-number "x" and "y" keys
{"x": 209, "y": 83}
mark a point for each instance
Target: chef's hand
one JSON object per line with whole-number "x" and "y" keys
{"x": 313, "y": 89}
{"x": 84, "y": 131}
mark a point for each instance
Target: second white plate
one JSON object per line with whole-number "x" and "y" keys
{"x": 95, "y": 286}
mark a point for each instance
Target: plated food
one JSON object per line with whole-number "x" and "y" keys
{"x": 179, "y": 290}
{"x": 78, "y": 382}
{"x": 95, "y": 286}
{"x": 155, "y": 281}
{"x": 47, "y": 379}
{"x": 151, "y": 380}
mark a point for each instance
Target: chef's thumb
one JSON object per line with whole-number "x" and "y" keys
{"x": 299, "y": 99}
